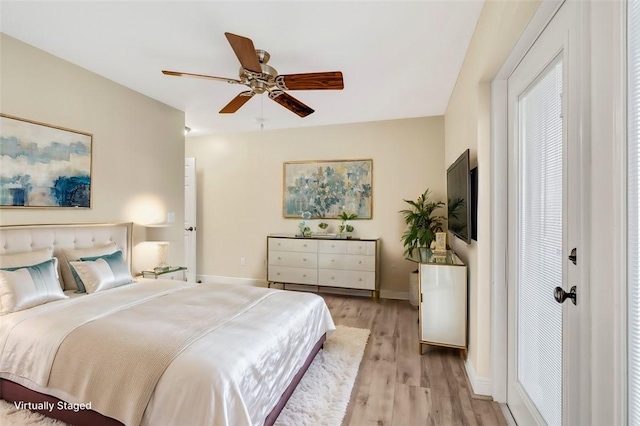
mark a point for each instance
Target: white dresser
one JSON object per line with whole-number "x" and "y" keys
{"x": 351, "y": 264}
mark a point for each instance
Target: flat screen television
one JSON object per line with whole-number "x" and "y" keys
{"x": 459, "y": 198}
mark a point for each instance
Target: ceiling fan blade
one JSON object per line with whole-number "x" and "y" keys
{"x": 290, "y": 103}
{"x": 206, "y": 77}
{"x": 245, "y": 51}
{"x": 311, "y": 81}
{"x": 237, "y": 102}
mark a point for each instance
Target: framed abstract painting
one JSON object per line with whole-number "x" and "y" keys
{"x": 43, "y": 165}
{"x": 325, "y": 189}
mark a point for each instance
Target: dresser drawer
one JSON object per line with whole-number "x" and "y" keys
{"x": 361, "y": 247}
{"x": 333, "y": 246}
{"x": 306, "y": 246}
{"x": 295, "y": 259}
{"x": 280, "y": 244}
{"x": 348, "y": 279}
{"x": 345, "y": 261}
{"x": 332, "y": 261}
{"x": 287, "y": 274}
{"x": 361, "y": 263}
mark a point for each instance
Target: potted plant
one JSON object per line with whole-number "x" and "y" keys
{"x": 422, "y": 224}
{"x": 345, "y": 228}
{"x": 323, "y": 226}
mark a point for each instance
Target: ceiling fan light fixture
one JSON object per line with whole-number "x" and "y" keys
{"x": 260, "y": 78}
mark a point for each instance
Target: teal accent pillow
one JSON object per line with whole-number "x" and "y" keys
{"x": 101, "y": 272}
{"x": 22, "y": 288}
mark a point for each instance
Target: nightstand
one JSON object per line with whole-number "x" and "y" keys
{"x": 171, "y": 273}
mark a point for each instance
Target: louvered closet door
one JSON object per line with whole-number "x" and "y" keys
{"x": 543, "y": 196}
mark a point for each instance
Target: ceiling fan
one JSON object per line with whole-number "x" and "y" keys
{"x": 260, "y": 78}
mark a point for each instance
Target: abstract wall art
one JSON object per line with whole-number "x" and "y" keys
{"x": 43, "y": 165}
{"x": 325, "y": 189}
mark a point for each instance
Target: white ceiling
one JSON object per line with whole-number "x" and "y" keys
{"x": 399, "y": 59}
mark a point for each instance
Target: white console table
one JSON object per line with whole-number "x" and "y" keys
{"x": 443, "y": 301}
{"x": 324, "y": 262}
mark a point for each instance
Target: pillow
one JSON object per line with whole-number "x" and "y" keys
{"x": 28, "y": 258}
{"x": 22, "y": 288}
{"x": 75, "y": 254}
{"x": 103, "y": 273}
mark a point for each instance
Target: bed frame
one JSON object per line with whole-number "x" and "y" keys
{"x": 22, "y": 238}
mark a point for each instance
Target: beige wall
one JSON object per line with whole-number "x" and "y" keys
{"x": 467, "y": 125}
{"x": 240, "y": 188}
{"x": 138, "y": 143}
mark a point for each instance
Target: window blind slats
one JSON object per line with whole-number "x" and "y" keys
{"x": 633, "y": 207}
{"x": 540, "y": 227}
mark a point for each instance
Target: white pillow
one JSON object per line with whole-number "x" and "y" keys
{"x": 28, "y": 258}
{"x": 75, "y": 254}
{"x": 106, "y": 272}
{"x": 23, "y": 288}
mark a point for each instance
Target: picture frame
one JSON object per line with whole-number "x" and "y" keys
{"x": 440, "y": 242}
{"x": 44, "y": 166}
{"x": 327, "y": 188}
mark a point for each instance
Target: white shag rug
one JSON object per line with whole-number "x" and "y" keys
{"x": 320, "y": 399}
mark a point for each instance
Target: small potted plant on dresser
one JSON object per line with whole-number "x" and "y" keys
{"x": 345, "y": 229}
{"x": 422, "y": 225}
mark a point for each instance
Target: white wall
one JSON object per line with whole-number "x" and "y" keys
{"x": 240, "y": 188}
{"x": 467, "y": 125}
{"x": 138, "y": 143}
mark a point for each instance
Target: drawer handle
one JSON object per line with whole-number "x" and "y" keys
{"x": 332, "y": 246}
{"x": 304, "y": 275}
{"x": 304, "y": 245}
{"x": 360, "y": 261}
{"x": 279, "y": 258}
{"x": 304, "y": 259}
{"x": 333, "y": 278}
{"x": 277, "y": 273}
{"x": 360, "y": 279}
{"x": 333, "y": 260}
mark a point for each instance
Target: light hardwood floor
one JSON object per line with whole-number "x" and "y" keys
{"x": 396, "y": 385}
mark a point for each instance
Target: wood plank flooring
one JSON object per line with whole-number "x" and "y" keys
{"x": 396, "y": 385}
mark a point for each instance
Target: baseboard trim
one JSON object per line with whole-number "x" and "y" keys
{"x": 481, "y": 386}
{"x": 391, "y": 294}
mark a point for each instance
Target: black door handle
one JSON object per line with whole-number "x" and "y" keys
{"x": 560, "y": 295}
{"x": 191, "y": 228}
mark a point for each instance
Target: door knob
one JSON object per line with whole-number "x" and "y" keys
{"x": 560, "y": 295}
{"x": 191, "y": 228}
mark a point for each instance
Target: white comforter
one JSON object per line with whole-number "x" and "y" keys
{"x": 231, "y": 376}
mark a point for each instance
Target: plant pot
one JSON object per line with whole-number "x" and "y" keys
{"x": 414, "y": 291}
{"x": 424, "y": 254}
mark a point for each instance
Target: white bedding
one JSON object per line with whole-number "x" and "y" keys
{"x": 232, "y": 376}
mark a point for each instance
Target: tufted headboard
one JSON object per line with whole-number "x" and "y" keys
{"x": 24, "y": 238}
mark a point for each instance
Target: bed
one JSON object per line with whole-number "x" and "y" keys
{"x": 152, "y": 352}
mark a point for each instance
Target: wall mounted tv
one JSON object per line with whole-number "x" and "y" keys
{"x": 459, "y": 198}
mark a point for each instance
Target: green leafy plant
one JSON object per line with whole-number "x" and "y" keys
{"x": 422, "y": 222}
{"x": 345, "y": 217}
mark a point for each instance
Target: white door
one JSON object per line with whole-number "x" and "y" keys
{"x": 190, "y": 217}
{"x": 544, "y": 191}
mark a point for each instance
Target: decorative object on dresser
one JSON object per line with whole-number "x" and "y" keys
{"x": 443, "y": 301}
{"x": 422, "y": 223}
{"x": 42, "y": 165}
{"x": 334, "y": 263}
{"x": 346, "y": 230}
{"x": 326, "y": 188}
